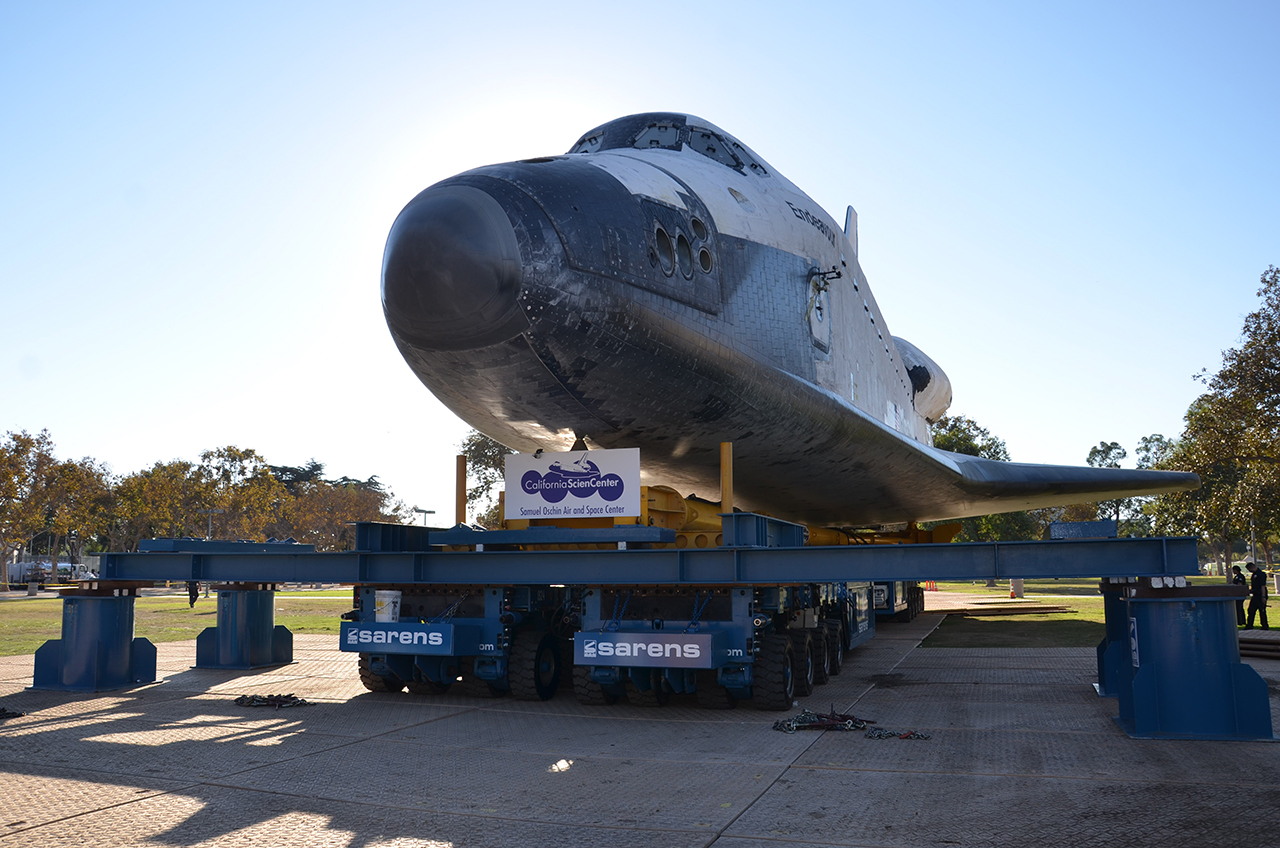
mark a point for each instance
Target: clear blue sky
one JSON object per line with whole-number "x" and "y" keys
{"x": 1066, "y": 205}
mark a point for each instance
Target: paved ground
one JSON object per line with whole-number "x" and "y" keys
{"x": 1022, "y": 753}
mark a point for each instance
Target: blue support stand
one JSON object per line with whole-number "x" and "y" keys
{"x": 246, "y": 635}
{"x": 1184, "y": 678}
{"x": 1113, "y": 651}
{"x": 97, "y": 651}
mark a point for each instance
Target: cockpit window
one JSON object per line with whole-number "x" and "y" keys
{"x": 587, "y": 144}
{"x": 748, "y": 160}
{"x": 712, "y": 146}
{"x": 670, "y": 131}
{"x": 664, "y": 136}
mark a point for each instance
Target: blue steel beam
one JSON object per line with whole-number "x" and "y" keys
{"x": 966, "y": 561}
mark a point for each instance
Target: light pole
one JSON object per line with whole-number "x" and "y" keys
{"x": 424, "y": 513}
{"x": 211, "y": 513}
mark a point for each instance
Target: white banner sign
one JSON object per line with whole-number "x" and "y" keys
{"x": 580, "y": 484}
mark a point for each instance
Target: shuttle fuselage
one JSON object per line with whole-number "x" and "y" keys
{"x": 661, "y": 286}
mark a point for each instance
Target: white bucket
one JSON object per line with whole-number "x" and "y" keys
{"x": 386, "y": 605}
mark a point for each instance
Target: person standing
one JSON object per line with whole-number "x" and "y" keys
{"x": 1257, "y": 594}
{"x": 193, "y": 592}
{"x": 1238, "y": 579}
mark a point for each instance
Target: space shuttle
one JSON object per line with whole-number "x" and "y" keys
{"x": 660, "y": 286}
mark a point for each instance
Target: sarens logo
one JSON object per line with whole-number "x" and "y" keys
{"x": 362, "y": 636}
{"x": 595, "y": 648}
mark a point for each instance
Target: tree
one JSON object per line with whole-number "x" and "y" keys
{"x": 243, "y": 494}
{"x": 79, "y": 502}
{"x": 162, "y": 501}
{"x": 1153, "y": 450}
{"x": 486, "y": 464}
{"x": 323, "y": 512}
{"x": 26, "y": 465}
{"x": 50, "y": 505}
{"x": 1250, "y": 373}
{"x": 1108, "y": 455}
{"x": 1210, "y": 446}
{"x": 373, "y": 484}
{"x": 1142, "y": 513}
{"x": 1232, "y": 437}
{"x": 1248, "y": 386}
{"x": 46, "y": 505}
{"x": 292, "y": 477}
{"x": 1134, "y": 516}
{"x": 959, "y": 434}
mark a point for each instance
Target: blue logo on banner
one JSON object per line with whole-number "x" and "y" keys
{"x": 581, "y": 479}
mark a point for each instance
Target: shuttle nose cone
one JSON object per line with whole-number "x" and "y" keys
{"x": 451, "y": 272}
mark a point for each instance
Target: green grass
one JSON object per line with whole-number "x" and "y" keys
{"x": 26, "y": 624}
{"x": 1053, "y": 630}
{"x": 1081, "y": 627}
{"x": 1087, "y": 587}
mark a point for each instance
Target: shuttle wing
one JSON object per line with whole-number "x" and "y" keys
{"x": 871, "y": 474}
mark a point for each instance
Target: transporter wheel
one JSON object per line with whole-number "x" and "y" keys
{"x": 587, "y": 691}
{"x": 906, "y": 616}
{"x": 802, "y": 651}
{"x": 378, "y": 682}
{"x": 657, "y": 694}
{"x": 821, "y": 655}
{"x": 475, "y": 687}
{"x": 773, "y": 683}
{"x": 710, "y": 694}
{"x": 533, "y": 665}
{"x": 835, "y": 645}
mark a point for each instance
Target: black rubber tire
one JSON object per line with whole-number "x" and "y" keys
{"x": 587, "y": 691}
{"x": 802, "y": 652}
{"x": 378, "y": 682}
{"x": 533, "y": 665}
{"x": 657, "y": 695}
{"x": 835, "y": 645}
{"x": 821, "y": 655}
{"x": 773, "y": 686}
{"x": 711, "y": 695}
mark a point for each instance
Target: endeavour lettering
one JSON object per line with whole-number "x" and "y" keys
{"x": 814, "y": 221}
